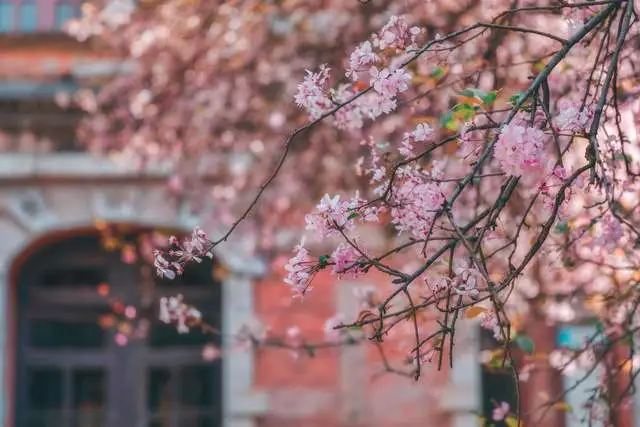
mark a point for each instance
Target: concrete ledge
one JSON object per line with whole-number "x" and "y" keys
{"x": 71, "y": 165}
{"x": 249, "y": 405}
{"x": 458, "y": 399}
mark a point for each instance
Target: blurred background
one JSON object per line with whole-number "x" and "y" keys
{"x": 81, "y": 342}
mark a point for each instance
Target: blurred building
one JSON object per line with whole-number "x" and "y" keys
{"x": 62, "y": 368}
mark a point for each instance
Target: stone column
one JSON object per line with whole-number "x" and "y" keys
{"x": 241, "y": 404}
{"x": 353, "y": 363}
{"x": 462, "y": 396}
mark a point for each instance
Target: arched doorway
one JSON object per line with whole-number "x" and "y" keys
{"x": 70, "y": 372}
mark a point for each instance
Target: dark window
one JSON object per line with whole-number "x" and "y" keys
{"x": 7, "y": 16}
{"x": 498, "y": 384}
{"x": 65, "y": 334}
{"x": 28, "y": 16}
{"x": 72, "y": 373}
{"x": 29, "y": 108}
{"x": 64, "y": 12}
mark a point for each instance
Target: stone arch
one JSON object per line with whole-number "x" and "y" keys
{"x": 241, "y": 404}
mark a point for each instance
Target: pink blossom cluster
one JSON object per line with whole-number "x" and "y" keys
{"x": 489, "y": 321}
{"x": 174, "y": 310}
{"x": 611, "y": 233}
{"x": 397, "y": 35}
{"x": 415, "y": 202}
{"x": 301, "y": 268}
{"x": 520, "y": 149}
{"x": 501, "y": 411}
{"x": 333, "y": 216}
{"x": 422, "y": 133}
{"x": 361, "y": 60}
{"x": 572, "y": 117}
{"x": 171, "y": 263}
{"x": 345, "y": 260}
{"x": 312, "y": 95}
{"x": 387, "y": 80}
{"x": 330, "y": 327}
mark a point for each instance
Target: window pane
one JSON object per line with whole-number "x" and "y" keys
{"x": 167, "y": 335}
{"x": 7, "y": 16}
{"x": 45, "y": 389}
{"x": 578, "y": 385}
{"x": 196, "y": 274}
{"x": 46, "y": 419}
{"x": 197, "y": 386}
{"x": 89, "y": 391}
{"x": 77, "y": 276}
{"x": 160, "y": 391}
{"x": 64, "y": 12}
{"x": 58, "y": 334}
{"x": 200, "y": 420}
{"x": 498, "y": 384}
{"x": 28, "y": 16}
{"x": 89, "y": 388}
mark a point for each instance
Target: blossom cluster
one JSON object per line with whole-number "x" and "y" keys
{"x": 385, "y": 76}
{"x": 171, "y": 263}
{"x": 520, "y": 149}
{"x": 173, "y": 310}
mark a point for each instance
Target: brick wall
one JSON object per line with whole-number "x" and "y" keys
{"x": 337, "y": 387}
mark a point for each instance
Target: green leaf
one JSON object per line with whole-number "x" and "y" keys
{"x": 599, "y": 328}
{"x": 471, "y": 93}
{"x": 353, "y": 215}
{"x": 562, "y": 227}
{"x": 323, "y": 259}
{"x": 525, "y": 343}
{"x": 512, "y": 421}
{"x": 448, "y": 122}
{"x": 485, "y": 97}
{"x": 490, "y": 97}
{"x": 464, "y": 111}
{"x": 437, "y": 72}
{"x": 515, "y": 98}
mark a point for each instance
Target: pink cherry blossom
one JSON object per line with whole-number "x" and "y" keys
{"x": 501, "y": 411}
{"x": 519, "y": 149}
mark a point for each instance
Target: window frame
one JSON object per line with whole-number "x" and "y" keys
{"x": 20, "y": 28}
{"x": 125, "y": 367}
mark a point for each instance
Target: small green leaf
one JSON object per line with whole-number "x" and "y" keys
{"x": 469, "y": 92}
{"x": 353, "y": 215}
{"x": 437, "y": 72}
{"x": 490, "y": 97}
{"x": 515, "y": 98}
{"x": 525, "y": 343}
{"x": 323, "y": 260}
{"x": 562, "y": 227}
{"x": 512, "y": 421}
{"x": 464, "y": 111}
{"x": 448, "y": 122}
